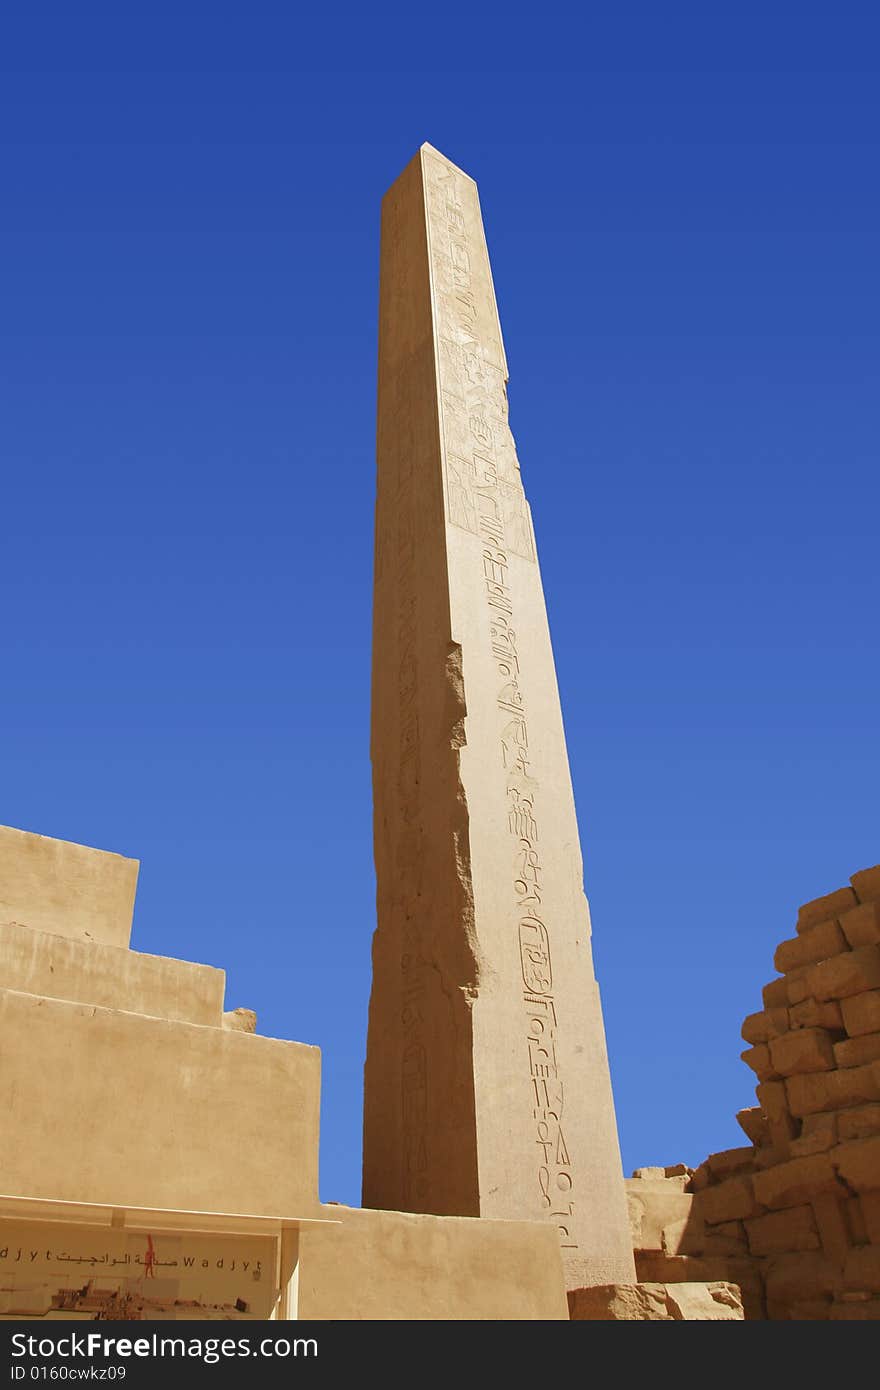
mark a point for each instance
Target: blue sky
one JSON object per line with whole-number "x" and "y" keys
{"x": 683, "y": 220}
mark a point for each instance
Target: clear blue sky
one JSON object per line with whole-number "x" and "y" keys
{"x": 684, "y": 224}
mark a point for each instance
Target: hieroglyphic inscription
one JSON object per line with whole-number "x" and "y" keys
{"x": 484, "y": 495}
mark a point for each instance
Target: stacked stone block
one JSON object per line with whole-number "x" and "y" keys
{"x": 800, "y": 1205}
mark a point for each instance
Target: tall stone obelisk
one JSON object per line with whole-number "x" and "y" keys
{"x": 487, "y": 1090}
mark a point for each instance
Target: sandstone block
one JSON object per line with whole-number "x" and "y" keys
{"x": 761, "y": 1027}
{"x": 693, "y": 1237}
{"x": 731, "y": 1200}
{"x": 807, "y": 1144}
{"x": 830, "y": 1090}
{"x": 650, "y": 1302}
{"x": 775, "y": 995}
{"x": 652, "y": 1206}
{"x": 856, "y": 1052}
{"x": 858, "y": 1163}
{"x": 866, "y": 883}
{"x": 807, "y": 1274}
{"x": 619, "y": 1303}
{"x": 717, "y": 1302}
{"x": 854, "y": 1212}
{"x": 869, "y": 1210}
{"x": 861, "y": 1013}
{"x": 808, "y": 1310}
{"x": 817, "y": 1013}
{"x": 240, "y": 1020}
{"x": 781, "y": 1128}
{"x": 700, "y": 1178}
{"x": 796, "y": 1182}
{"x": 729, "y": 1161}
{"x": 678, "y": 1269}
{"x": 853, "y": 972}
{"x": 647, "y": 1175}
{"x": 780, "y": 1231}
{"x": 867, "y": 1310}
{"x": 758, "y": 1058}
{"x": 677, "y": 1170}
{"x": 820, "y": 909}
{"x": 861, "y": 926}
{"x": 832, "y": 1226}
{"x": 861, "y": 1272}
{"x": 804, "y": 1050}
{"x": 859, "y": 1122}
{"x": 753, "y": 1124}
{"x": 815, "y": 944}
{"x": 773, "y": 1099}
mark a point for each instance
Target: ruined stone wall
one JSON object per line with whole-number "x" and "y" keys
{"x": 794, "y": 1216}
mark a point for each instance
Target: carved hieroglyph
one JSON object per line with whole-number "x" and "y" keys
{"x": 487, "y": 1089}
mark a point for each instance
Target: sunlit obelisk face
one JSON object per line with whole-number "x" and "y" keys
{"x": 486, "y": 1089}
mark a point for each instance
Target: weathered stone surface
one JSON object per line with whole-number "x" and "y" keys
{"x": 815, "y": 944}
{"x": 475, "y": 1036}
{"x": 858, "y": 1163}
{"x": 860, "y": 1122}
{"x": 648, "y": 1174}
{"x": 619, "y": 1303}
{"x": 715, "y": 1302}
{"x": 391, "y": 1265}
{"x": 718, "y": 1302}
{"x": 654, "y": 1267}
{"x": 861, "y": 1013}
{"x": 677, "y": 1170}
{"x": 778, "y": 1231}
{"x": 804, "y": 1050}
{"x": 830, "y": 1089}
{"x": 855, "y": 1218}
{"x": 856, "y": 1052}
{"x": 818, "y": 1133}
{"x": 775, "y": 994}
{"x": 111, "y": 977}
{"x": 700, "y": 1178}
{"x": 798, "y": 1181}
{"x": 817, "y": 1013}
{"x": 753, "y": 1124}
{"x": 761, "y": 1027}
{"x": 652, "y": 1206}
{"x": 868, "y": 1231}
{"x": 862, "y": 1269}
{"x": 804, "y": 1275}
{"x": 781, "y": 1127}
{"x": 850, "y": 973}
{"x": 861, "y": 926}
{"x": 693, "y": 1237}
{"x": 66, "y": 889}
{"x": 832, "y": 1226}
{"x": 240, "y": 1020}
{"x": 732, "y": 1200}
{"x": 808, "y": 1310}
{"x": 867, "y": 1310}
{"x": 820, "y": 909}
{"x": 730, "y": 1161}
{"x": 866, "y": 883}
{"x": 773, "y": 1099}
{"x": 758, "y": 1059}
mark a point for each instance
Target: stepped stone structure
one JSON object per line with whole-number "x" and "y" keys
{"x": 160, "y": 1158}
{"x": 793, "y": 1217}
{"x": 487, "y": 1088}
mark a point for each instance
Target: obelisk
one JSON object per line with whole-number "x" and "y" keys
{"x": 487, "y": 1091}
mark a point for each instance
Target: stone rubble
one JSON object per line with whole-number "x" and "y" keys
{"x": 793, "y": 1218}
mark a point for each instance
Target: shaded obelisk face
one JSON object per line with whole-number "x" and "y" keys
{"x": 486, "y": 1086}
